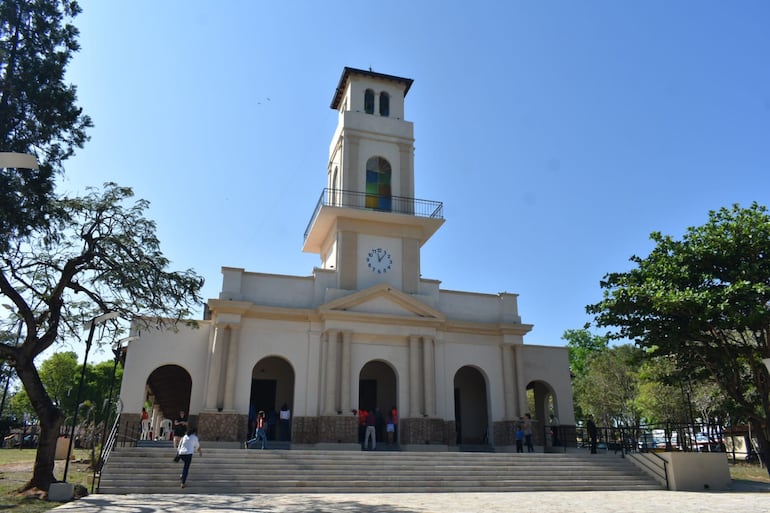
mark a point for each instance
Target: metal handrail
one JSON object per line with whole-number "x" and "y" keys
{"x": 107, "y": 447}
{"x": 660, "y": 470}
{"x": 394, "y": 204}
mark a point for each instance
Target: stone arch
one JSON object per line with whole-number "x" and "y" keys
{"x": 378, "y": 390}
{"x": 545, "y": 402}
{"x": 472, "y": 422}
{"x": 167, "y": 391}
{"x": 272, "y": 385}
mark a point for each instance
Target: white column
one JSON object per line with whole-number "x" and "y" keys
{"x": 509, "y": 390}
{"x": 429, "y": 376}
{"x": 521, "y": 388}
{"x": 231, "y": 371}
{"x": 215, "y": 367}
{"x": 414, "y": 377}
{"x": 223, "y": 357}
{"x": 346, "y": 401}
{"x": 330, "y": 404}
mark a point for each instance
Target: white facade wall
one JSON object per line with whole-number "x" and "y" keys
{"x": 185, "y": 347}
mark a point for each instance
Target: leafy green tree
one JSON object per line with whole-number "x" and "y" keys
{"x": 704, "y": 301}
{"x": 581, "y": 346}
{"x": 98, "y": 254}
{"x": 59, "y": 375}
{"x": 661, "y": 398}
{"x": 19, "y": 404}
{"x": 38, "y": 111}
{"x": 608, "y": 387}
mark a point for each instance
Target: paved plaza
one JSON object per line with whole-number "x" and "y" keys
{"x": 745, "y": 497}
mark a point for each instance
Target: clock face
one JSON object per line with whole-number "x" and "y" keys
{"x": 379, "y": 261}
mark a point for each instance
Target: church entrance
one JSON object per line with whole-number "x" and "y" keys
{"x": 167, "y": 393}
{"x": 471, "y": 412}
{"x": 378, "y": 392}
{"x": 272, "y": 389}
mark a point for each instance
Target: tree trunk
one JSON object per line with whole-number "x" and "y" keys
{"x": 50, "y": 418}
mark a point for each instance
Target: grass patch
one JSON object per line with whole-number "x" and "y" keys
{"x": 749, "y": 472}
{"x": 16, "y": 470}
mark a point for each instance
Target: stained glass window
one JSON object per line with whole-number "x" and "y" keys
{"x": 378, "y": 184}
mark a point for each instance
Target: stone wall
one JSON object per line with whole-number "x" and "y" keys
{"x": 330, "y": 429}
{"x": 424, "y": 430}
{"x": 220, "y": 427}
{"x": 504, "y": 432}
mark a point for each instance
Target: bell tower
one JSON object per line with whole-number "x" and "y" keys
{"x": 367, "y": 225}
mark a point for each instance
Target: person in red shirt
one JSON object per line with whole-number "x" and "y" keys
{"x": 261, "y": 434}
{"x": 145, "y": 425}
{"x": 392, "y": 427}
{"x": 361, "y": 426}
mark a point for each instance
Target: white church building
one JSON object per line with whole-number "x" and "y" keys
{"x": 364, "y": 330}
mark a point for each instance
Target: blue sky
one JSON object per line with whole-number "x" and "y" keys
{"x": 558, "y": 134}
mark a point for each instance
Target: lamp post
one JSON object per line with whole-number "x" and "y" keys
{"x": 92, "y": 323}
{"x": 18, "y": 160}
{"x": 117, "y": 348}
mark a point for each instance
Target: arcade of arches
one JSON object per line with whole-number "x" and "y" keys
{"x": 273, "y": 387}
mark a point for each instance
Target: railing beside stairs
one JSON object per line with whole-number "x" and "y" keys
{"x": 654, "y": 464}
{"x": 108, "y": 444}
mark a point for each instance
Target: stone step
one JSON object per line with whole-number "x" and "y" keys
{"x": 221, "y": 471}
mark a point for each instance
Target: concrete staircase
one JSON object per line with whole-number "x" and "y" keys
{"x": 227, "y": 471}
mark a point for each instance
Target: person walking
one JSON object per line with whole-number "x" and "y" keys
{"x": 284, "y": 417}
{"x": 371, "y": 423}
{"x": 145, "y": 425}
{"x": 261, "y": 433}
{"x": 554, "y": 431}
{"x": 592, "y": 434}
{"x": 528, "y": 432}
{"x": 180, "y": 427}
{"x": 188, "y": 445}
{"x": 519, "y": 438}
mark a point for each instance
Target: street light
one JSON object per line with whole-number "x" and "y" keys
{"x": 92, "y": 326}
{"x": 17, "y": 160}
{"x": 117, "y": 348}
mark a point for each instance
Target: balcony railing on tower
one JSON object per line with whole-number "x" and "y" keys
{"x": 363, "y": 201}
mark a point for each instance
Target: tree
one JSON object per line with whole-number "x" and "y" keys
{"x": 581, "y": 346}
{"x": 38, "y": 113}
{"x": 704, "y": 300}
{"x": 98, "y": 254}
{"x": 609, "y": 385}
{"x": 59, "y": 376}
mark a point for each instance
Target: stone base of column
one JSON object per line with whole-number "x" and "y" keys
{"x": 217, "y": 426}
{"x": 425, "y": 431}
{"x": 328, "y": 429}
{"x": 504, "y": 432}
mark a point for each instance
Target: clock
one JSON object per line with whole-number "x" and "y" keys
{"x": 379, "y": 260}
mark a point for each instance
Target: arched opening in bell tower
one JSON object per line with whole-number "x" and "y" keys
{"x": 384, "y": 104}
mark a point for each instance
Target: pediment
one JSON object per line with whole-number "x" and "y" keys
{"x": 382, "y": 299}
